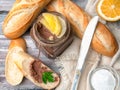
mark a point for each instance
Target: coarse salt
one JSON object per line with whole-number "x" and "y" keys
{"x": 103, "y": 80}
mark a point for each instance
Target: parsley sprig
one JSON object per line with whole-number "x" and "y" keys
{"x": 47, "y": 77}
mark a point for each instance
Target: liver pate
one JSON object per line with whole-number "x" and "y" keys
{"x": 37, "y": 68}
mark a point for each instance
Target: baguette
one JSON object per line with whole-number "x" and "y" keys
{"x": 19, "y": 64}
{"x": 103, "y": 41}
{"x": 49, "y": 85}
{"x": 13, "y": 74}
{"x": 21, "y": 17}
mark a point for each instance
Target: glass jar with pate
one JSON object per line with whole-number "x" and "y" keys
{"x": 104, "y": 78}
{"x": 52, "y": 33}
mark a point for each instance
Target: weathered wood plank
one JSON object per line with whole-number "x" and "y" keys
{"x": 5, "y": 6}
{"x": 2, "y": 16}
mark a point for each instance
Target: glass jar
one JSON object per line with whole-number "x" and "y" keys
{"x": 111, "y": 70}
{"x": 51, "y": 48}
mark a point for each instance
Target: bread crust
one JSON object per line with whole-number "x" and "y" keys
{"x": 19, "y": 42}
{"x": 27, "y": 67}
{"x": 21, "y": 16}
{"x": 14, "y": 75}
{"x": 18, "y": 64}
{"x": 103, "y": 41}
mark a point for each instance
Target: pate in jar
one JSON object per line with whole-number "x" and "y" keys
{"x": 52, "y": 33}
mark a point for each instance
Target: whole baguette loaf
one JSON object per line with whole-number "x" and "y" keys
{"x": 103, "y": 41}
{"x": 19, "y": 64}
{"x": 21, "y": 17}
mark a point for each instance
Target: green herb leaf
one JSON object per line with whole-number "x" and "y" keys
{"x": 44, "y": 79}
{"x": 47, "y": 77}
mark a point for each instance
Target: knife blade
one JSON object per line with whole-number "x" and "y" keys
{"x": 85, "y": 44}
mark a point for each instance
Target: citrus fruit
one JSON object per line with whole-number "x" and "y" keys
{"x": 52, "y": 23}
{"x": 109, "y": 9}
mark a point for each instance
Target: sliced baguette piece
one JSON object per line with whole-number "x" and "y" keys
{"x": 21, "y": 17}
{"x": 103, "y": 41}
{"x": 27, "y": 64}
{"x": 13, "y": 74}
{"x": 18, "y": 64}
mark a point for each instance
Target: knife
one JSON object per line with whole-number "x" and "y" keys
{"x": 85, "y": 44}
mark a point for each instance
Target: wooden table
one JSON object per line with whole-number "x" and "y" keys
{"x": 5, "y": 6}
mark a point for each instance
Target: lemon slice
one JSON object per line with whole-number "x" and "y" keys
{"x": 52, "y": 23}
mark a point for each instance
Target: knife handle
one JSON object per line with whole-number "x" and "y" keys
{"x": 76, "y": 80}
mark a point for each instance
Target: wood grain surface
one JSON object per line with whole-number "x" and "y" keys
{"x": 5, "y": 6}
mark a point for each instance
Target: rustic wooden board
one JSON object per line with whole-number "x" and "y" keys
{"x": 5, "y": 6}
